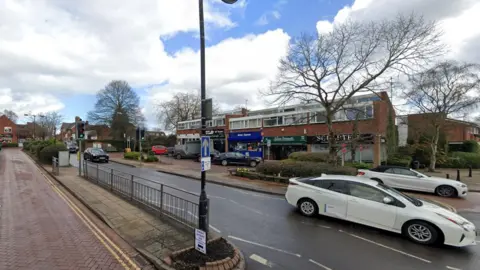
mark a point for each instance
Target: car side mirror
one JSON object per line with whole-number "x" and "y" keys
{"x": 387, "y": 200}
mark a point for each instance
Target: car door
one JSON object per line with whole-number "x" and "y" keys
{"x": 331, "y": 197}
{"x": 365, "y": 205}
{"x": 389, "y": 178}
{"x": 231, "y": 157}
{"x": 409, "y": 179}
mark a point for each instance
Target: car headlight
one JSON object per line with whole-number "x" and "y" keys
{"x": 463, "y": 225}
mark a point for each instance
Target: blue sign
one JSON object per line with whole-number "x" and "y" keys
{"x": 245, "y": 136}
{"x": 205, "y": 147}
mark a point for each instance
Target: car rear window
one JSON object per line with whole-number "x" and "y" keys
{"x": 305, "y": 179}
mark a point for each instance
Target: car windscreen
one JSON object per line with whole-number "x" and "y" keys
{"x": 390, "y": 190}
{"x": 98, "y": 151}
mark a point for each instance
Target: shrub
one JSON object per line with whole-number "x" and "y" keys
{"x": 47, "y": 152}
{"x": 309, "y": 156}
{"x": 302, "y": 169}
{"x": 364, "y": 166}
{"x": 150, "y": 153}
{"x": 132, "y": 155}
{"x": 470, "y": 146}
{"x": 10, "y": 145}
{"x": 460, "y": 160}
{"x": 398, "y": 160}
{"x": 151, "y": 159}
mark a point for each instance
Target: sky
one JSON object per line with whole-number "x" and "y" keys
{"x": 55, "y": 55}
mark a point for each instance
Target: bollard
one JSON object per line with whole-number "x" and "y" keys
{"x": 448, "y": 176}
{"x": 469, "y": 171}
{"x": 458, "y": 175}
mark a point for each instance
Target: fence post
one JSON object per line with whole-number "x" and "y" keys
{"x": 161, "y": 198}
{"x": 111, "y": 179}
{"x": 131, "y": 187}
{"x": 85, "y": 163}
{"x": 458, "y": 175}
{"x": 469, "y": 171}
{"x": 97, "y": 173}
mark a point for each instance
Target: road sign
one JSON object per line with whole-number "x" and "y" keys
{"x": 205, "y": 147}
{"x": 201, "y": 241}
{"x": 344, "y": 150}
{"x": 206, "y": 163}
{"x": 361, "y": 148}
{"x": 269, "y": 143}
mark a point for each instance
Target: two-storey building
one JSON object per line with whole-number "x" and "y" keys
{"x": 274, "y": 133}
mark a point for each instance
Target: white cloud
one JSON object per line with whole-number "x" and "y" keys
{"x": 52, "y": 48}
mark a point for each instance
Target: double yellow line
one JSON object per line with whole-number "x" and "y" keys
{"x": 116, "y": 252}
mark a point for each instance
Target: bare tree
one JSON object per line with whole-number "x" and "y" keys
{"x": 49, "y": 123}
{"x": 11, "y": 115}
{"x": 447, "y": 89}
{"x": 116, "y": 96}
{"x": 330, "y": 69}
{"x": 182, "y": 107}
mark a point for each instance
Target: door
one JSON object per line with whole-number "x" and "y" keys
{"x": 240, "y": 159}
{"x": 409, "y": 179}
{"x": 366, "y": 206}
{"x": 331, "y": 198}
{"x": 390, "y": 178}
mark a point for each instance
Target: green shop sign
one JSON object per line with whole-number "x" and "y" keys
{"x": 286, "y": 140}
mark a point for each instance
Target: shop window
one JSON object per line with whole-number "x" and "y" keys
{"x": 245, "y": 146}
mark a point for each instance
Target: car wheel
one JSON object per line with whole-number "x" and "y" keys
{"x": 307, "y": 207}
{"x": 253, "y": 163}
{"x": 224, "y": 162}
{"x": 445, "y": 191}
{"x": 178, "y": 156}
{"x": 421, "y": 232}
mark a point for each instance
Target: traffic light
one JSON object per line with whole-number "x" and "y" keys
{"x": 81, "y": 130}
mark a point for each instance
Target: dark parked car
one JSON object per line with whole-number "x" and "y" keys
{"x": 234, "y": 158}
{"x": 215, "y": 154}
{"x": 95, "y": 155}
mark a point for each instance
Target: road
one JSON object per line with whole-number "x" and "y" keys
{"x": 273, "y": 235}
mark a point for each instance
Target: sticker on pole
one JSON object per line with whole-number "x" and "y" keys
{"x": 205, "y": 152}
{"x": 269, "y": 143}
{"x": 201, "y": 241}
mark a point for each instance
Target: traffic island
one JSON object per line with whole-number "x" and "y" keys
{"x": 221, "y": 254}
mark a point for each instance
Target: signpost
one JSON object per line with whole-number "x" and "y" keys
{"x": 201, "y": 241}
{"x": 361, "y": 149}
{"x": 269, "y": 143}
{"x": 205, "y": 151}
{"x": 344, "y": 150}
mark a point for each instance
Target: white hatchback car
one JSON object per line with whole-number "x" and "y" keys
{"x": 375, "y": 204}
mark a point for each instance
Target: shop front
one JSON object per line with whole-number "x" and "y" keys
{"x": 364, "y": 145}
{"x": 218, "y": 138}
{"x": 280, "y": 147}
{"x": 247, "y": 143}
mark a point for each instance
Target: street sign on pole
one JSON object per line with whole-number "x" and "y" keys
{"x": 205, "y": 152}
{"x": 201, "y": 241}
{"x": 269, "y": 143}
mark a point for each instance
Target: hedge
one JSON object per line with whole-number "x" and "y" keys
{"x": 131, "y": 155}
{"x": 9, "y": 145}
{"x": 471, "y": 146}
{"x": 47, "y": 152}
{"x": 403, "y": 161}
{"x": 302, "y": 169}
{"x": 309, "y": 156}
{"x": 460, "y": 160}
{"x": 151, "y": 159}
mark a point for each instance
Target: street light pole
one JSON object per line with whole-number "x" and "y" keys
{"x": 203, "y": 201}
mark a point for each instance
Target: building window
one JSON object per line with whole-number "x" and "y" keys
{"x": 369, "y": 111}
{"x": 181, "y": 126}
{"x": 220, "y": 122}
{"x": 273, "y": 121}
{"x": 7, "y": 130}
{"x": 209, "y": 123}
{"x": 318, "y": 117}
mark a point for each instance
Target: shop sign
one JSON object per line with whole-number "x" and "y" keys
{"x": 216, "y": 133}
{"x": 286, "y": 140}
{"x": 340, "y": 138}
{"x": 245, "y": 136}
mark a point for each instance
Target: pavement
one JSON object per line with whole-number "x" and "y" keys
{"x": 272, "y": 234}
{"x": 43, "y": 227}
{"x": 473, "y": 182}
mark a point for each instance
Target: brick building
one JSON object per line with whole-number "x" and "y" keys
{"x": 276, "y": 132}
{"x": 455, "y": 131}
{"x": 8, "y": 130}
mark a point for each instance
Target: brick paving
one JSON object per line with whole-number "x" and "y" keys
{"x": 38, "y": 230}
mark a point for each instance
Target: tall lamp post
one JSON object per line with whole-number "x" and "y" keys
{"x": 34, "y": 118}
{"x": 203, "y": 202}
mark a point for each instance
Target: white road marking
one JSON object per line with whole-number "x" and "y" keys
{"x": 261, "y": 260}
{"x": 216, "y": 197}
{"x": 453, "y": 268}
{"x": 319, "y": 264}
{"x": 316, "y": 225}
{"x": 246, "y": 207}
{"x": 265, "y": 246}
{"x": 215, "y": 229}
{"x": 387, "y": 247}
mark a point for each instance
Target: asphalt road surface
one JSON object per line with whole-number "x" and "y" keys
{"x": 273, "y": 235}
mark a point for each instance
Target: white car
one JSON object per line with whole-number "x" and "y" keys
{"x": 375, "y": 204}
{"x": 408, "y": 179}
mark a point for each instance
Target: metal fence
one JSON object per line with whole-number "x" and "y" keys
{"x": 55, "y": 168}
{"x": 175, "y": 203}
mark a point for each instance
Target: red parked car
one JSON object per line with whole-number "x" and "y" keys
{"x": 159, "y": 150}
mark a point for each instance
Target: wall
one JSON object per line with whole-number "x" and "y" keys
{"x": 5, "y": 122}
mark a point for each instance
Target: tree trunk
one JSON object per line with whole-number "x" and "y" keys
{"x": 433, "y": 148}
{"x": 332, "y": 145}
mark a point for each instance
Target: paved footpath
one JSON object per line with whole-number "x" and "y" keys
{"x": 42, "y": 227}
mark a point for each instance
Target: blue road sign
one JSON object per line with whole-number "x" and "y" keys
{"x": 205, "y": 147}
